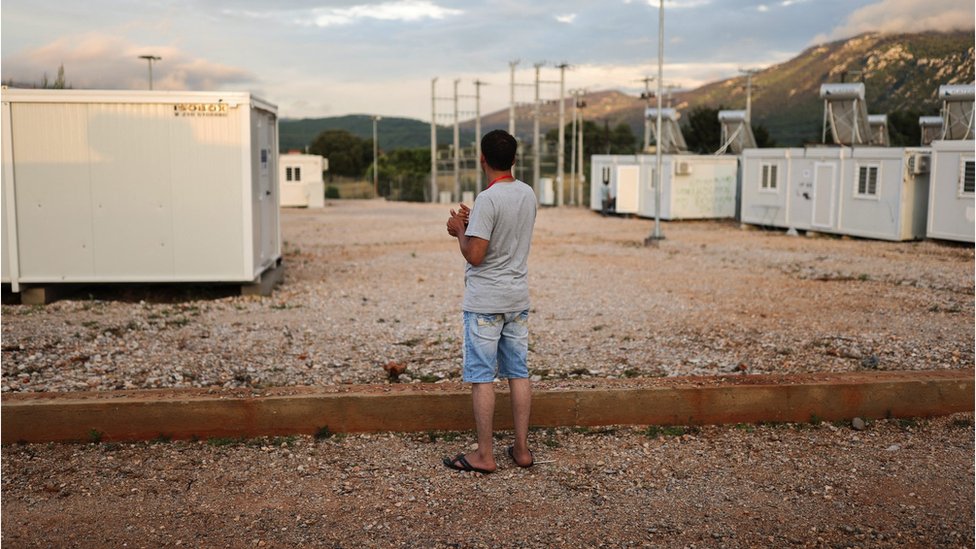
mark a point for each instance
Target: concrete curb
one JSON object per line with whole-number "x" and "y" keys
{"x": 184, "y": 414}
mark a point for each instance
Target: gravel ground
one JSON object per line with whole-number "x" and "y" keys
{"x": 369, "y": 282}
{"x": 906, "y": 483}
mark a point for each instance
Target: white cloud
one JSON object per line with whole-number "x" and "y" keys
{"x": 895, "y": 16}
{"x": 568, "y": 18}
{"x": 398, "y": 10}
{"x": 762, "y": 8}
{"x": 103, "y": 61}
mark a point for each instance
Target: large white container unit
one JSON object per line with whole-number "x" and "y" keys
{"x": 871, "y": 192}
{"x": 952, "y": 198}
{"x": 128, "y": 186}
{"x": 301, "y": 180}
{"x": 693, "y": 187}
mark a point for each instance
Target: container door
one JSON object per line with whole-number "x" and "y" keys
{"x": 267, "y": 193}
{"x": 823, "y": 195}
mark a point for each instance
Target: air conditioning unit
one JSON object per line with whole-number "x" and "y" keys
{"x": 682, "y": 168}
{"x": 918, "y": 163}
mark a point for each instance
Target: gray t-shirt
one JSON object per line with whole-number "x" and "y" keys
{"x": 504, "y": 216}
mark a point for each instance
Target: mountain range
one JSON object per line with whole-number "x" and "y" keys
{"x": 901, "y": 73}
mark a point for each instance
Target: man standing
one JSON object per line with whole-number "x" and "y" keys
{"x": 494, "y": 239}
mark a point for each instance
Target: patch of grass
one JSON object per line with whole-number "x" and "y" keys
{"x": 223, "y": 441}
{"x": 579, "y": 372}
{"x": 815, "y": 419}
{"x": 162, "y": 438}
{"x": 598, "y": 327}
{"x": 179, "y": 321}
{"x": 95, "y": 436}
{"x": 412, "y": 342}
{"x": 92, "y": 324}
{"x": 747, "y": 427}
{"x": 863, "y": 277}
{"x": 906, "y": 424}
{"x": 427, "y": 378}
{"x": 581, "y": 430}
{"x": 655, "y": 431}
{"x": 631, "y": 372}
{"x": 962, "y": 423}
{"x": 323, "y": 433}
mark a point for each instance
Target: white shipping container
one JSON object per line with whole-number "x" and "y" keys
{"x": 138, "y": 186}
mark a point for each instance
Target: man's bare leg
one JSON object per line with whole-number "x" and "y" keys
{"x": 521, "y": 393}
{"x": 483, "y": 396}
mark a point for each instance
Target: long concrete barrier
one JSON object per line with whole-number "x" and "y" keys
{"x": 201, "y": 413}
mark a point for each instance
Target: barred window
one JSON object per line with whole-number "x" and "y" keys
{"x": 298, "y": 174}
{"x": 967, "y": 172}
{"x": 288, "y": 174}
{"x": 770, "y": 179}
{"x": 867, "y": 181}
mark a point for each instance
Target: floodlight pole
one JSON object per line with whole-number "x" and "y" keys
{"x": 433, "y": 140}
{"x": 477, "y": 132}
{"x": 748, "y": 73}
{"x": 657, "y": 147}
{"x": 150, "y": 59}
{"x": 572, "y": 151}
{"x": 536, "y": 168}
{"x": 561, "y": 153}
{"x": 457, "y": 145}
{"x": 511, "y": 95}
{"x": 579, "y": 151}
{"x": 376, "y": 165}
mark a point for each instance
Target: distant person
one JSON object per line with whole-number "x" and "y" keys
{"x": 605, "y": 199}
{"x": 494, "y": 239}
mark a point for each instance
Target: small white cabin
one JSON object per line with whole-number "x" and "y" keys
{"x": 694, "y": 186}
{"x": 952, "y": 199}
{"x": 300, "y": 178}
{"x": 138, "y": 186}
{"x": 870, "y": 192}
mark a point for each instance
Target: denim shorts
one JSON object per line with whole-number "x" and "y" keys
{"x": 496, "y": 345}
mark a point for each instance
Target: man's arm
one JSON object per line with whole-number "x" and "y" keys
{"x": 472, "y": 248}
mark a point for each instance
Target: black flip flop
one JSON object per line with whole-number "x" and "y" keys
{"x": 511, "y": 454}
{"x": 465, "y": 466}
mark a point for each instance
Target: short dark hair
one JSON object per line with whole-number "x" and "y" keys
{"x": 499, "y": 147}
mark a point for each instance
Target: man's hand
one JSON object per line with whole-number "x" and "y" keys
{"x": 455, "y": 225}
{"x": 462, "y": 216}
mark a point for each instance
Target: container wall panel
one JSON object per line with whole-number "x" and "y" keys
{"x": 53, "y": 187}
{"x": 132, "y": 200}
{"x": 206, "y": 165}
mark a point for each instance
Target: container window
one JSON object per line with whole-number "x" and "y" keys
{"x": 298, "y": 174}
{"x": 770, "y": 177}
{"x": 288, "y": 174}
{"x": 967, "y": 172}
{"x": 867, "y": 181}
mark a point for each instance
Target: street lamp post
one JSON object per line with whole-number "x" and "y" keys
{"x": 376, "y": 177}
{"x": 150, "y": 59}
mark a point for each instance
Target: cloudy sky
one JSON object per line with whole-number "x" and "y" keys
{"x": 334, "y": 57}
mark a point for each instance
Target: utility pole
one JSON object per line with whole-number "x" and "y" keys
{"x": 536, "y": 168}
{"x": 561, "y": 153}
{"x": 150, "y": 59}
{"x": 457, "y": 145}
{"x": 657, "y": 147}
{"x": 511, "y": 94}
{"x": 477, "y": 132}
{"x": 433, "y": 139}
{"x": 646, "y": 96}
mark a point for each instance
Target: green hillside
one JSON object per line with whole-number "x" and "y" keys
{"x": 394, "y": 133}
